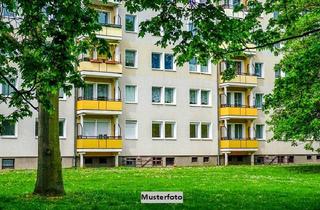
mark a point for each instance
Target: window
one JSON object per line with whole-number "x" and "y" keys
{"x": 7, "y": 163}
{"x": 238, "y": 99}
{"x": 131, "y": 23}
{"x": 205, "y": 94}
{"x": 170, "y": 130}
{"x": 275, "y": 14}
{"x": 62, "y": 95}
{"x": 131, "y": 94}
{"x": 102, "y": 160}
{"x": 192, "y": 28}
{"x": 97, "y": 128}
{"x": 169, "y": 161}
{"x": 95, "y": 91}
{"x": 194, "y": 159}
{"x": 194, "y": 130}
{"x": 205, "y": 130}
{"x": 157, "y": 161}
{"x": 162, "y": 61}
{"x": 6, "y": 89}
{"x": 62, "y": 128}
{"x": 156, "y": 60}
{"x": 8, "y": 129}
{"x": 169, "y": 97}
{"x": 258, "y": 100}
{"x": 104, "y": 18}
{"x": 260, "y": 131}
{"x": 318, "y": 157}
{"x": 131, "y": 131}
{"x": 198, "y": 68}
{"x": 88, "y": 160}
{"x": 200, "y": 130}
{"x": 163, "y": 130}
{"x": 156, "y": 94}
{"x": 131, "y": 57}
{"x": 237, "y": 65}
{"x": 193, "y": 96}
{"x": 238, "y": 131}
{"x": 258, "y": 69}
{"x": 156, "y": 129}
{"x": 277, "y": 73}
{"x": 309, "y": 157}
{"x": 102, "y": 91}
{"x": 205, "y": 159}
{"x": 131, "y": 161}
{"x": 88, "y": 92}
{"x": 6, "y": 12}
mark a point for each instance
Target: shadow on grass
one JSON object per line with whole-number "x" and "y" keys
{"x": 307, "y": 169}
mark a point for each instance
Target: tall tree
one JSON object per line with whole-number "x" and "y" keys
{"x": 40, "y": 43}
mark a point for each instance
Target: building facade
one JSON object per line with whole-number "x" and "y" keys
{"x": 139, "y": 109}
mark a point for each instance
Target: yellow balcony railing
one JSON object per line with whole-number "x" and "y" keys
{"x": 112, "y": 142}
{"x": 99, "y": 105}
{"x": 239, "y": 144}
{"x": 248, "y": 80}
{"x": 110, "y": 31}
{"x": 244, "y": 111}
{"x": 95, "y": 66}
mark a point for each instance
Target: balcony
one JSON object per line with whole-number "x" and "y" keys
{"x": 98, "y": 68}
{"x": 99, "y": 106}
{"x": 238, "y": 112}
{"x": 110, "y": 32}
{"x": 110, "y": 2}
{"x": 96, "y": 143}
{"x": 243, "y": 80}
{"x": 227, "y": 144}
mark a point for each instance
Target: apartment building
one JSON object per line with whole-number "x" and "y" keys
{"x": 139, "y": 109}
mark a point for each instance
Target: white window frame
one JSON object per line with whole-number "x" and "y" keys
{"x": 15, "y": 136}
{"x": 136, "y": 95}
{"x": 162, "y": 62}
{"x": 162, "y": 95}
{"x": 135, "y": 23}
{"x": 263, "y": 131}
{"x": 136, "y": 132}
{"x": 64, "y": 97}
{"x": 198, "y": 68}
{"x": 199, "y": 97}
{"x": 174, "y": 95}
{"x": 1, "y": 87}
{"x": 255, "y": 98}
{"x": 162, "y": 129}
{"x": 262, "y": 69}
{"x": 135, "y": 59}
{"x": 64, "y": 128}
{"x": 199, "y": 129}
{"x": 243, "y": 97}
{"x": 95, "y": 89}
{"x": 96, "y": 124}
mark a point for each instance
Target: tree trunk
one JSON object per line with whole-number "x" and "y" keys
{"x": 49, "y": 174}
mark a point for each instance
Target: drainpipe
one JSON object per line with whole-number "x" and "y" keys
{"x": 218, "y": 110}
{"x": 75, "y": 126}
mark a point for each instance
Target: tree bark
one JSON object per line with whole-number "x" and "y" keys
{"x": 49, "y": 174}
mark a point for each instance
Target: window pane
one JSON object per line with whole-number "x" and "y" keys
{"x": 277, "y": 73}
{"x": 7, "y": 89}
{"x": 204, "y": 69}
{"x": 130, "y": 22}
{"x": 103, "y": 128}
{"x": 238, "y": 67}
{"x": 229, "y": 99}
{"x": 89, "y": 128}
{"x": 238, "y": 99}
{"x": 8, "y": 128}
{"x": 61, "y": 128}
{"x": 193, "y": 97}
{"x": 169, "y": 95}
{"x": 194, "y": 130}
{"x": 88, "y": 92}
{"x": 130, "y": 93}
{"x": 168, "y": 61}
{"x": 130, "y": 58}
{"x": 205, "y": 97}
{"x": 229, "y": 132}
{"x": 131, "y": 129}
{"x": 61, "y": 93}
{"x": 7, "y": 163}
{"x": 238, "y": 131}
{"x": 259, "y": 131}
{"x": 156, "y": 129}
{"x": 156, "y": 94}
{"x": 103, "y": 90}
{"x": 156, "y": 60}
{"x": 205, "y": 130}
{"x": 193, "y": 65}
{"x": 258, "y": 69}
{"x": 169, "y": 130}
{"x": 103, "y": 18}
{"x": 259, "y": 100}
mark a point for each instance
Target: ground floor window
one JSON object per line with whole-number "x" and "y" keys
{"x": 156, "y": 161}
{"x": 205, "y": 159}
{"x": 102, "y": 160}
{"x": 194, "y": 159}
{"x": 169, "y": 161}
{"x": 88, "y": 160}
{"x": 131, "y": 162}
{"x": 7, "y": 163}
{"x": 309, "y": 157}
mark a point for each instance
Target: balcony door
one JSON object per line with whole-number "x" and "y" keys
{"x": 102, "y": 91}
{"x": 235, "y": 131}
{"x": 238, "y": 99}
{"x": 96, "y": 128}
{"x": 94, "y": 91}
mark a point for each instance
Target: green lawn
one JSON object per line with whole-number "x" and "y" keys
{"x": 233, "y": 187}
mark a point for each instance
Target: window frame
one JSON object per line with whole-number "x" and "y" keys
{"x": 163, "y": 62}
{"x": 198, "y": 68}
{"x": 15, "y": 136}
{"x": 263, "y": 132}
{"x": 135, "y": 21}
{"x": 199, "y": 102}
{"x": 255, "y": 100}
{"x": 135, "y": 59}
{"x": 136, "y": 130}
{"x": 262, "y": 69}
{"x": 11, "y": 159}
{"x": 136, "y": 94}
{"x": 162, "y": 124}
{"x": 199, "y": 130}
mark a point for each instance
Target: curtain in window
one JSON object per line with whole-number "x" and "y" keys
{"x": 131, "y": 129}
{"x": 168, "y": 61}
{"x": 103, "y": 128}
{"x": 238, "y": 131}
{"x": 7, "y": 89}
{"x": 130, "y": 58}
{"x": 156, "y": 60}
{"x": 193, "y": 96}
{"x": 89, "y": 128}
{"x": 169, "y": 95}
{"x": 88, "y": 92}
{"x": 238, "y": 67}
{"x": 103, "y": 90}
{"x": 130, "y": 93}
{"x": 204, "y": 69}
{"x": 204, "y": 97}
{"x": 156, "y": 94}
{"x": 193, "y": 65}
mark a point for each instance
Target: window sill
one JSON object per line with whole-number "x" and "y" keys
{"x": 208, "y": 106}
{"x": 131, "y": 67}
{"x": 131, "y": 139}
{"x": 155, "y": 103}
{"x": 131, "y": 32}
{"x": 197, "y": 72}
{"x": 166, "y": 70}
{"x": 260, "y": 77}
{"x": 207, "y": 139}
{"x": 195, "y": 139}
{"x": 132, "y": 102}
{"x": 170, "y": 139}
{"x": 261, "y": 140}
{"x": 171, "y": 104}
{"x": 195, "y": 105}
{"x": 9, "y": 137}
{"x": 157, "y": 139}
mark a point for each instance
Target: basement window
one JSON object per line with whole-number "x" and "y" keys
{"x": 7, "y": 163}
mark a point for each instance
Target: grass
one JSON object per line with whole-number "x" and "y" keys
{"x": 232, "y": 187}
